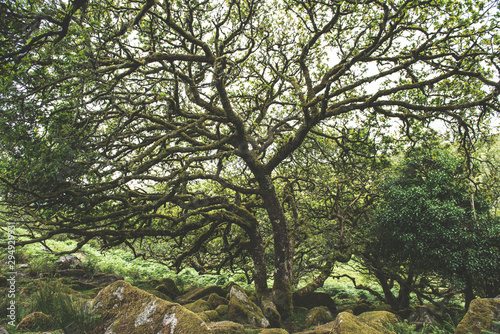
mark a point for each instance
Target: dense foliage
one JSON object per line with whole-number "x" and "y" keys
{"x": 434, "y": 221}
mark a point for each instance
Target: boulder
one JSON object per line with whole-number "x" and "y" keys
{"x": 35, "y": 321}
{"x": 222, "y": 310}
{"x": 159, "y": 295}
{"x": 199, "y": 293}
{"x": 209, "y": 316}
{"x": 226, "y": 327}
{"x": 135, "y": 311}
{"x": 314, "y": 299}
{"x": 198, "y": 306}
{"x": 243, "y": 310}
{"x": 215, "y": 300}
{"x": 480, "y": 316}
{"x": 318, "y": 316}
{"x": 381, "y": 317}
{"x": 69, "y": 262}
{"x": 348, "y": 323}
{"x": 271, "y": 313}
{"x": 273, "y": 331}
{"x": 169, "y": 288}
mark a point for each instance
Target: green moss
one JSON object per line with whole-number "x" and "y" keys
{"x": 35, "y": 320}
{"x": 317, "y": 316}
{"x": 134, "y": 311}
{"x": 243, "y": 310}
{"x": 349, "y": 323}
{"x": 381, "y": 317}
{"x": 481, "y": 315}
{"x": 215, "y": 300}
{"x": 273, "y": 331}
{"x": 222, "y": 310}
{"x": 226, "y": 327}
{"x": 169, "y": 288}
{"x": 198, "y": 306}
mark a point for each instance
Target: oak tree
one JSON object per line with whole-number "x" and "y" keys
{"x": 128, "y": 121}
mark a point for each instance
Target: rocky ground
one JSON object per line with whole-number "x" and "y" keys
{"x": 159, "y": 306}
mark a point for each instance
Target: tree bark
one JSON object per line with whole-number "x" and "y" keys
{"x": 259, "y": 263}
{"x": 283, "y": 252}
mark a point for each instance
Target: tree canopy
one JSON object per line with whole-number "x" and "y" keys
{"x": 178, "y": 121}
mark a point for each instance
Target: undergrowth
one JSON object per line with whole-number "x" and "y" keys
{"x": 70, "y": 314}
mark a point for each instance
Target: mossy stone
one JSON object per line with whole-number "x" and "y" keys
{"x": 159, "y": 295}
{"x": 318, "y": 316}
{"x": 198, "y": 306}
{"x": 243, "y": 310}
{"x": 226, "y": 327}
{"x": 209, "y": 316}
{"x": 35, "y": 321}
{"x": 347, "y": 323}
{"x": 273, "y": 331}
{"x": 271, "y": 313}
{"x": 169, "y": 288}
{"x": 199, "y": 293}
{"x": 381, "y": 317}
{"x": 215, "y": 300}
{"x": 480, "y": 316}
{"x": 135, "y": 311}
{"x": 222, "y": 310}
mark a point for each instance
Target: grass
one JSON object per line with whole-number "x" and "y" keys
{"x": 70, "y": 314}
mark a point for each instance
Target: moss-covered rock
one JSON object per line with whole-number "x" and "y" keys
{"x": 318, "y": 316}
{"x": 160, "y": 295}
{"x": 272, "y": 331}
{"x": 271, "y": 313}
{"x": 35, "y": 321}
{"x": 381, "y": 317}
{"x": 480, "y": 316}
{"x": 135, "y": 311}
{"x": 215, "y": 300}
{"x": 222, "y": 310}
{"x": 243, "y": 310}
{"x": 347, "y": 323}
{"x": 209, "y": 316}
{"x": 198, "y": 306}
{"x": 226, "y": 327}
{"x": 169, "y": 288}
{"x": 199, "y": 293}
